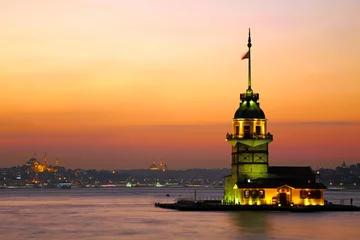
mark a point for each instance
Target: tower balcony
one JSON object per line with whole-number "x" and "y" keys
{"x": 230, "y": 136}
{"x": 248, "y": 139}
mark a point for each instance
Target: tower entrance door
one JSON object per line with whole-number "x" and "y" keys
{"x": 285, "y": 195}
{"x": 283, "y": 199}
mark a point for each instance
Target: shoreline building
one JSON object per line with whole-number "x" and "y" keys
{"x": 34, "y": 166}
{"x": 252, "y": 180}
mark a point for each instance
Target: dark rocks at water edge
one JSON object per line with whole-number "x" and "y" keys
{"x": 218, "y": 206}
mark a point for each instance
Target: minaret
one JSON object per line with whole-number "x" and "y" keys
{"x": 46, "y": 161}
{"x": 249, "y": 138}
{"x": 161, "y": 167}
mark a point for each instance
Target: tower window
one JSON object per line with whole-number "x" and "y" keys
{"x": 237, "y": 130}
{"x": 258, "y": 130}
{"x": 247, "y": 131}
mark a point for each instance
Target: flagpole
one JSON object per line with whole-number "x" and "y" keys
{"x": 249, "y": 71}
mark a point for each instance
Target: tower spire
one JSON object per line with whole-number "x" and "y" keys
{"x": 249, "y": 71}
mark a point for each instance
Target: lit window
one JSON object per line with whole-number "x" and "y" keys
{"x": 254, "y": 194}
{"x": 303, "y": 194}
{"x": 261, "y": 194}
{"x": 310, "y": 194}
{"x": 316, "y": 194}
{"x": 246, "y": 193}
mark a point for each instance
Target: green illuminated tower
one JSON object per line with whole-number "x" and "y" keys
{"x": 249, "y": 138}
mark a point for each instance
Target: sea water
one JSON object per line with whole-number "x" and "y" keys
{"x": 129, "y": 213}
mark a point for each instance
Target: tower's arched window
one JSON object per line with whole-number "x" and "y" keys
{"x": 254, "y": 194}
{"x": 247, "y": 132}
{"x": 262, "y": 193}
{"x": 246, "y": 193}
{"x": 303, "y": 194}
{"x": 258, "y": 130}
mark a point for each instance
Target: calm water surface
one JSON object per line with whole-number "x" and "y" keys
{"x": 130, "y": 214}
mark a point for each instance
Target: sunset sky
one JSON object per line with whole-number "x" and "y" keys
{"x": 116, "y": 84}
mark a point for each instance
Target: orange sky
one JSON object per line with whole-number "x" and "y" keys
{"x": 116, "y": 84}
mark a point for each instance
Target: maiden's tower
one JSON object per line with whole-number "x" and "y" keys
{"x": 252, "y": 180}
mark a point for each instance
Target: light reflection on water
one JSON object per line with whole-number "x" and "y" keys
{"x": 284, "y": 225}
{"x": 130, "y": 214}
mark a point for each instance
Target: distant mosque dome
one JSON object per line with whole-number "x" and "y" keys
{"x": 35, "y": 165}
{"x": 31, "y": 162}
{"x": 153, "y": 166}
{"x": 161, "y": 167}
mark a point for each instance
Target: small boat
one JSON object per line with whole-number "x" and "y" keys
{"x": 64, "y": 185}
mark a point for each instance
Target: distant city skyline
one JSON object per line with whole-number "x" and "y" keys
{"x": 291, "y": 146}
{"x": 115, "y": 84}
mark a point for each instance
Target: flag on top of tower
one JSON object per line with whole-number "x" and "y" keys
{"x": 247, "y": 55}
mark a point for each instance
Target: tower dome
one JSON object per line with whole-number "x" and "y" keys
{"x": 249, "y": 108}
